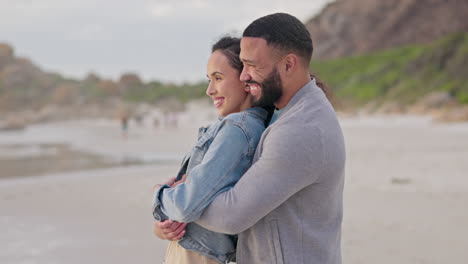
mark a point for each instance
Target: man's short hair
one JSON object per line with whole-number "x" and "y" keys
{"x": 283, "y": 31}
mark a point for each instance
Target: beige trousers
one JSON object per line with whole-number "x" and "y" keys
{"x": 176, "y": 254}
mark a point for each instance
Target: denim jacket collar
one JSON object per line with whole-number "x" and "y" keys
{"x": 258, "y": 111}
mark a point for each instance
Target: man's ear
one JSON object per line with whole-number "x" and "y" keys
{"x": 290, "y": 63}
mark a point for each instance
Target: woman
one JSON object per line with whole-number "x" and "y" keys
{"x": 223, "y": 153}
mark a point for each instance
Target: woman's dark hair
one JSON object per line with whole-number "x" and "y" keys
{"x": 325, "y": 88}
{"x": 230, "y": 47}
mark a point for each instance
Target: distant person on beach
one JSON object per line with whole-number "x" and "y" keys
{"x": 124, "y": 125}
{"x": 288, "y": 206}
{"x": 123, "y": 113}
{"x": 223, "y": 153}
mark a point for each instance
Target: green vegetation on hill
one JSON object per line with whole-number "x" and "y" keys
{"x": 25, "y": 86}
{"x": 400, "y": 75}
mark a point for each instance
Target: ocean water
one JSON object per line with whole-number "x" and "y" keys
{"x": 89, "y": 144}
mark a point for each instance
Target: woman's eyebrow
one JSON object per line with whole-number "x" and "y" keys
{"x": 216, "y": 72}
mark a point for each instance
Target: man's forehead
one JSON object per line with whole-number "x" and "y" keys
{"x": 252, "y": 47}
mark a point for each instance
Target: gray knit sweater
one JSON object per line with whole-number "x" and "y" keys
{"x": 288, "y": 207}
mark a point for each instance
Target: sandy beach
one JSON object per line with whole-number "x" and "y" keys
{"x": 405, "y": 195}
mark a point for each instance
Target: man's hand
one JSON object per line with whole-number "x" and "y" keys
{"x": 169, "y": 230}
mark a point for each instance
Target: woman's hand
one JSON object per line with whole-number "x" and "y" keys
{"x": 169, "y": 182}
{"x": 169, "y": 230}
{"x": 184, "y": 178}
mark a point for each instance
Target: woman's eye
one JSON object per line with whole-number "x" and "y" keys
{"x": 217, "y": 78}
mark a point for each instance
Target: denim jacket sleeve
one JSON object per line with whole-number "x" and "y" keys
{"x": 217, "y": 172}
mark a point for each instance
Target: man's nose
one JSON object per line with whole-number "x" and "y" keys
{"x": 245, "y": 76}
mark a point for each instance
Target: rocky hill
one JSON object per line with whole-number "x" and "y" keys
{"x": 391, "y": 54}
{"x": 352, "y": 27}
{"x": 26, "y": 88}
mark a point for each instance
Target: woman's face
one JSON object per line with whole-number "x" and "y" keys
{"x": 225, "y": 88}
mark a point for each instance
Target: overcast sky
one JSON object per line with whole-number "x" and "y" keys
{"x": 159, "y": 40}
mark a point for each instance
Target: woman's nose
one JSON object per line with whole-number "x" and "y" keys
{"x": 210, "y": 90}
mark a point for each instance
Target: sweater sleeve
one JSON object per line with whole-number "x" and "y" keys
{"x": 291, "y": 159}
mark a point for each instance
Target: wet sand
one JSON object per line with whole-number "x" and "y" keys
{"x": 100, "y": 216}
{"x": 40, "y": 159}
{"x": 405, "y": 197}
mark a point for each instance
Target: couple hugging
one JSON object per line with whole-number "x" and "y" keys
{"x": 264, "y": 183}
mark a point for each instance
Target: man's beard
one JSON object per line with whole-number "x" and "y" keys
{"x": 271, "y": 90}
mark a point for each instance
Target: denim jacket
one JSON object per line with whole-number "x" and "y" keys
{"x": 223, "y": 153}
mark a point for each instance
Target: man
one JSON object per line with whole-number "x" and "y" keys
{"x": 287, "y": 208}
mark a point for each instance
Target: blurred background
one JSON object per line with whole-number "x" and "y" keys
{"x": 99, "y": 101}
